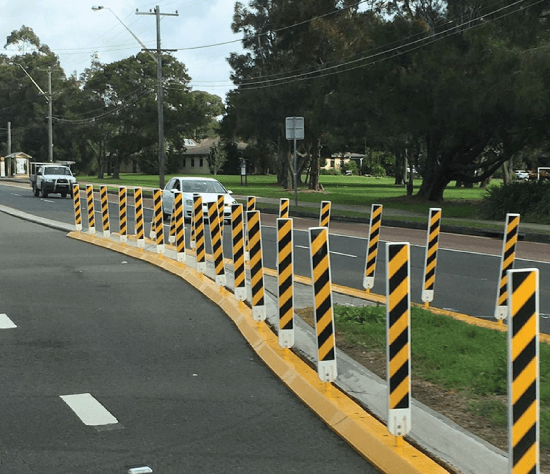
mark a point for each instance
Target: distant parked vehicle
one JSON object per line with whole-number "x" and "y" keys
{"x": 51, "y": 178}
{"x": 521, "y": 174}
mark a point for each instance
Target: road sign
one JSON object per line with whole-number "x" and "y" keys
{"x": 294, "y": 128}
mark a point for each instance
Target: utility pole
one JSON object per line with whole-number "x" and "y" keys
{"x": 50, "y": 116}
{"x": 160, "y": 90}
{"x": 9, "y": 138}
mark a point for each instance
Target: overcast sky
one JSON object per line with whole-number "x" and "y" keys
{"x": 74, "y": 32}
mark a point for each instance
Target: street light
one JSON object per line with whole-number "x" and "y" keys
{"x": 49, "y": 99}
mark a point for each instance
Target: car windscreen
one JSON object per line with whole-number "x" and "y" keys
{"x": 198, "y": 186}
{"x": 57, "y": 170}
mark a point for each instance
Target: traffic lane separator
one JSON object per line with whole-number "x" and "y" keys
{"x": 344, "y": 416}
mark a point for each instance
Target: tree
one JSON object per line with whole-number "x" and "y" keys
{"x": 216, "y": 159}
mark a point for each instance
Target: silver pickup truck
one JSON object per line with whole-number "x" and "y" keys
{"x": 51, "y": 178}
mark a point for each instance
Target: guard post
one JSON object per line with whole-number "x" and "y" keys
{"x": 215, "y": 238}
{"x": 250, "y": 206}
{"x": 179, "y": 226}
{"x": 372, "y": 246}
{"x": 285, "y": 280}
{"x": 91, "y": 211}
{"x": 259, "y": 312}
{"x": 322, "y": 296}
{"x": 398, "y": 336}
{"x": 221, "y": 213}
{"x": 200, "y": 251}
{"x": 506, "y": 263}
{"x": 430, "y": 261}
{"x": 284, "y": 207}
{"x": 77, "y": 208}
{"x": 324, "y": 215}
{"x": 158, "y": 224}
{"x": 138, "y": 203}
{"x": 105, "y": 210}
{"x": 523, "y": 371}
{"x": 123, "y": 213}
{"x": 237, "y": 234}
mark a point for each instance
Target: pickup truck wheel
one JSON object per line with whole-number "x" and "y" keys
{"x": 44, "y": 193}
{"x": 35, "y": 190}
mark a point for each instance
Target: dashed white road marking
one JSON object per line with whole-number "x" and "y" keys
{"x": 5, "y": 322}
{"x": 343, "y": 254}
{"x": 89, "y": 410}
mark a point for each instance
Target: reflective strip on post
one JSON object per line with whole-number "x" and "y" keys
{"x": 158, "y": 224}
{"x": 523, "y": 371}
{"x": 104, "y": 210}
{"x": 256, "y": 265}
{"x": 324, "y": 217}
{"x": 237, "y": 233}
{"x": 506, "y": 263}
{"x": 91, "y": 211}
{"x": 285, "y": 280}
{"x": 430, "y": 261}
{"x": 322, "y": 297}
{"x": 180, "y": 227}
{"x": 398, "y": 310}
{"x": 138, "y": 203}
{"x": 77, "y": 208}
{"x": 284, "y": 208}
{"x": 372, "y": 245}
{"x": 198, "y": 217}
{"x": 123, "y": 213}
{"x": 215, "y": 238}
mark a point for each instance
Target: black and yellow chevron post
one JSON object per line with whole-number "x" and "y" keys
{"x": 104, "y": 210}
{"x": 259, "y": 312}
{"x": 91, "y": 210}
{"x": 237, "y": 234}
{"x": 398, "y": 336}
{"x": 523, "y": 371}
{"x": 322, "y": 297}
{"x": 172, "y": 233}
{"x": 324, "y": 216}
{"x": 372, "y": 246}
{"x": 158, "y": 224}
{"x": 430, "y": 261}
{"x": 123, "y": 213}
{"x": 216, "y": 240}
{"x": 180, "y": 226}
{"x": 221, "y": 213}
{"x": 138, "y": 204}
{"x": 285, "y": 280}
{"x": 284, "y": 208}
{"x": 509, "y": 244}
{"x": 77, "y": 208}
{"x": 200, "y": 250}
{"x": 250, "y": 206}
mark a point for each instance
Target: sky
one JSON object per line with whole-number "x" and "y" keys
{"x": 75, "y": 32}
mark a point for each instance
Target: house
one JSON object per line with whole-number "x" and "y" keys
{"x": 15, "y": 165}
{"x": 337, "y": 160}
{"x": 195, "y": 158}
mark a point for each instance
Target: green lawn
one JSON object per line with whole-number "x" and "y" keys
{"x": 346, "y": 190}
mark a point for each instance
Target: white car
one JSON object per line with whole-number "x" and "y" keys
{"x": 520, "y": 174}
{"x": 208, "y": 188}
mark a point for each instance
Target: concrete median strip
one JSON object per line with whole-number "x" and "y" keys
{"x": 346, "y": 417}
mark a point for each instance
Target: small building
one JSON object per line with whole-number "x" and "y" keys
{"x": 195, "y": 158}
{"x": 15, "y": 165}
{"x": 337, "y": 160}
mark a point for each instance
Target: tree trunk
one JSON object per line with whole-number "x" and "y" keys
{"x": 315, "y": 165}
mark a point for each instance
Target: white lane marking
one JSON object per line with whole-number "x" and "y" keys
{"x": 15, "y": 194}
{"x": 301, "y": 247}
{"x": 89, "y": 410}
{"x": 47, "y": 200}
{"x": 343, "y": 254}
{"x": 5, "y": 322}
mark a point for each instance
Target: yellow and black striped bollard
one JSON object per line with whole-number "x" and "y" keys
{"x": 77, "y": 208}
{"x": 324, "y": 216}
{"x": 180, "y": 226}
{"x": 285, "y": 280}
{"x": 172, "y": 233}
{"x": 237, "y": 234}
{"x": 91, "y": 210}
{"x": 506, "y": 263}
{"x": 216, "y": 239}
{"x": 158, "y": 224}
{"x": 372, "y": 246}
{"x": 104, "y": 210}
{"x": 322, "y": 297}
{"x": 284, "y": 208}
{"x": 398, "y": 320}
{"x": 200, "y": 250}
{"x": 523, "y": 371}
{"x": 221, "y": 213}
{"x": 123, "y": 213}
{"x": 256, "y": 265}
{"x": 250, "y": 206}
{"x": 430, "y": 261}
{"x": 138, "y": 203}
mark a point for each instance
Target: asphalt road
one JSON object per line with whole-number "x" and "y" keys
{"x": 467, "y": 271}
{"x": 163, "y": 374}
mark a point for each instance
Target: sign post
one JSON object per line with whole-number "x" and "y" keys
{"x": 295, "y": 131}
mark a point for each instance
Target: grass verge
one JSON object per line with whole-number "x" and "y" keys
{"x": 452, "y": 355}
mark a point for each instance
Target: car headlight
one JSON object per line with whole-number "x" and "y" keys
{"x": 189, "y": 202}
